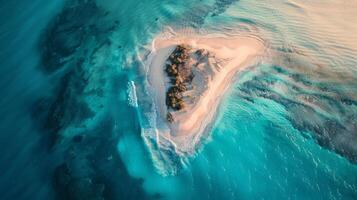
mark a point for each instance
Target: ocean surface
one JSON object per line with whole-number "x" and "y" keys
{"x": 74, "y": 103}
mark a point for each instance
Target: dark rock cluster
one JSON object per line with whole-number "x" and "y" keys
{"x": 180, "y": 76}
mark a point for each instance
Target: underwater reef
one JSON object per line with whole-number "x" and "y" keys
{"x": 308, "y": 103}
{"x": 80, "y": 127}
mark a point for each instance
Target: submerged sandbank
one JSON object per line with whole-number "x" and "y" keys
{"x": 220, "y": 58}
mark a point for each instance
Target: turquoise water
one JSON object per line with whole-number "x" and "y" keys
{"x": 74, "y": 102}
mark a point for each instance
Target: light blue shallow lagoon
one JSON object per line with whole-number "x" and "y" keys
{"x": 74, "y": 102}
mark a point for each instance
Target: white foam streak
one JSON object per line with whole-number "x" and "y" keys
{"x": 132, "y": 97}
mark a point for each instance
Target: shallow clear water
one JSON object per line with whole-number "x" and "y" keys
{"x": 71, "y": 72}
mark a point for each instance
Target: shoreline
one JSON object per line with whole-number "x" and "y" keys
{"x": 234, "y": 55}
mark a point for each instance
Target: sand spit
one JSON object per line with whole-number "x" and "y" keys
{"x": 210, "y": 63}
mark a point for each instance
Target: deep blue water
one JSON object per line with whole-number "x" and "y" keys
{"x": 71, "y": 129}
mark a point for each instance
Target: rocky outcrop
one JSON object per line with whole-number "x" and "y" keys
{"x": 180, "y": 75}
{"x": 180, "y": 66}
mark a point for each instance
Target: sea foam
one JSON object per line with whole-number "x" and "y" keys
{"x": 132, "y": 97}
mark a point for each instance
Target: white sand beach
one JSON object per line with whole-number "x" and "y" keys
{"x": 227, "y": 56}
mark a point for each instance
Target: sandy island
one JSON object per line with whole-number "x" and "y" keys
{"x": 211, "y": 63}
